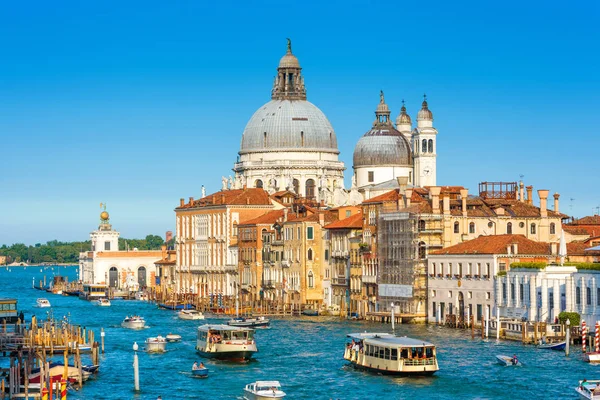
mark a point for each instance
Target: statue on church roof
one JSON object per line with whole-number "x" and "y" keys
{"x": 203, "y": 191}
{"x": 289, "y": 45}
{"x": 223, "y": 183}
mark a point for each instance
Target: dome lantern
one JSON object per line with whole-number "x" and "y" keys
{"x": 425, "y": 113}
{"x": 403, "y": 122}
{"x": 289, "y": 83}
{"x": 382, "y": 113}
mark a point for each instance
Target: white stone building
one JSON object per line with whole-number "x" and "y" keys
{"x": 105, "y": 264}
{"x": 462, "y": 278}
{"x": 541, "y": 295}
{"x": 289, "y": 144}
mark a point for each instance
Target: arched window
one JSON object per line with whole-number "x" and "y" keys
{"x": 113, "y": 277}
{"x": 578, "y": 295}
{"x": 588, "y": 296}
{"x": 309, "y": 254}
{"x": 456, "y": 228}
{"x": 533, "y": 229}
{"x": 430, "y": 145}
{"x": 310, "y": 189}
{"x": 311, "y": 280}
{"x": 553, "y": 228}
{"x": 509, "y": 228}
{"x": 472, "y": 227}
{"x": 421, "y": 225}
{"x": 422, "y": 250}
{"x": 142, "y": 276}
{"x": 296, "y": 184}
{"x": 258, "y": 184}
{"x": 424, "y": 146}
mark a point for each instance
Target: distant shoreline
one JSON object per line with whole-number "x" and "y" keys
{"x": 39, "y": 265}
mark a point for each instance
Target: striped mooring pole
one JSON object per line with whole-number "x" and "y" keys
{"x": 63, "y": 389}
{"x": 583, "y": 336}
{"x": 597, "y": 338}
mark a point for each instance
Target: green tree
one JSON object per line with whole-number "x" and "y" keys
{"x": 153, "y": 242}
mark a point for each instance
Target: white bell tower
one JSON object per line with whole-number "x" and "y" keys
{"x": 424, "y": 148}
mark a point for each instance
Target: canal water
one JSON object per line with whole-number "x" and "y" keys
{"x": 304, "y": 354}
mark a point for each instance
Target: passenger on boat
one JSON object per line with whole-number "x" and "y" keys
{"x": 202, "y": 366}
{"x": 514, "y": 359}
{"x": 195, "y": 366}
{"x": 597, "y": 389}
{"x": 582, "y": 384}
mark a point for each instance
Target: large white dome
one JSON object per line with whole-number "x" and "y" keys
{"x": 289, "y": 125}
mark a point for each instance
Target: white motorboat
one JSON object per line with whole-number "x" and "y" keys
{"x": 508, "y": 361}
{"x": 142, "y": 296}
{"x": 190, "y": 314}
{"x": 263, "y": 390}
{"x": 156, "y": 344}
{"x": 43, "y": 303}
{"x": 259, "y": 322}
{"x": 592, "y": 357}
{"x": 224, "y": 342}
{"x": 171, "y": 337}
{"x": 134, "y": 322}
{"x": 388, "y": 354}
{"x": 588, "y": 389}
{"x": 103, "y": 302}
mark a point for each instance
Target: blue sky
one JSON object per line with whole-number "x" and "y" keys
{"x": 137, "y": 104}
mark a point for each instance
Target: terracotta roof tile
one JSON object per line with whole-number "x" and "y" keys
{"x": 589, "y": 220}
{"x": 497, "y": 244}
{"x": 575, "y": 230}
{"x": 248, "y": 196}
{"x": 269, "y": 218}
{"x": 352, "y": 222}
{"x": 133, "y": 253}
{"x": 392, "y": 195}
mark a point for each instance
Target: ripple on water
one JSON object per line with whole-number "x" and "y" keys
{"x": 305, "y": 355}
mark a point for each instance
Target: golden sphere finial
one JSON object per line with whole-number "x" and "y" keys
{"x": 104, "y": 216}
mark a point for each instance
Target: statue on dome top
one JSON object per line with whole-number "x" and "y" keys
{"x": 289, "y": 45}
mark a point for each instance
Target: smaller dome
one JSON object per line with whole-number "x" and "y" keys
{"x": 425, "y": 113}
{"x": 104, "y": 216}
{"x": 403, "y": 118}
{"x": 289, "y": 61}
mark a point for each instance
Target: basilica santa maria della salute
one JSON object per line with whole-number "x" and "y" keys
{"x": 290, "y": 145}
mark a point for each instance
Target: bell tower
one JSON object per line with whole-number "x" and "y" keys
{"x": 424, "y": 147}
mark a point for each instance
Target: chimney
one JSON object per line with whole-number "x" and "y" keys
{"x": 434, "y": 191}
{"x": 521, "y": 192}
{"x": 464, "y": 193}
{"x": 285, "y": 214}
{"x": 407, "y": 197}
{"x": 163, "y": 250}
{"x": 556, "y": 196}
{"x": 181, "y": 202}
{"x": 168, "y": 236}
{"x": 247, "y": 200}
{"x": 446, "y": 200}
{"x": 402, "y": 182}
{"x": 321, "y": 219}
{"x": 529, "y": 195}
{"x": 554, "y": 248}
{"x": 191, "y": 201}
{"x": 543, "y": 202}
{"x": 222, "y": 198}
{"x": 515, "y": 248}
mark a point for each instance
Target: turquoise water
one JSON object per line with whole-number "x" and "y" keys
{"x": 304, "y": 354}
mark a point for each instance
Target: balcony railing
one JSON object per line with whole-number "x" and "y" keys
{"x": 340, "y": 281}
{"x": 369, "y": 279}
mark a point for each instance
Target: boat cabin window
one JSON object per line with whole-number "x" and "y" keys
{"x": 202, "y": 335}
{"x": 387, "y": 354}
{"x": 381, "y": 352}
{"x": 394, "y": 354}
{"x": 429, "y": 352}
{"x": 226, "y": 335}
{"x": 404, "y": 353}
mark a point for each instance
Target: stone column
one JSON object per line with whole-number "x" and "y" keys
{"x": 544, "y": 312}
{"x": 594, "y": 295}
{"x": 517, "y": 292}
{"x": 533, "y": 296}
{"x": 569, "y": 293}
{"x": 557, "y": 309}
{"x": 583, "y": 298}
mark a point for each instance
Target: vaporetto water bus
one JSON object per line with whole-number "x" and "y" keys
{"x": 225, "y": 342}
{"x": 390, "y": 354}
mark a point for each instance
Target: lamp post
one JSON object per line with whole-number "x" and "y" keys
{"x": 568, "y": 338}
{"x": 136, "y": 369}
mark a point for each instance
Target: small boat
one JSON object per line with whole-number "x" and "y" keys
{"x": 592, "y": 358}
{"x": 56, "y": 371}
{"x": 310, "y": 313}
{"x": 171, "y": 337}
{"x": 259, "y": 322}
{"x": 200, "y": 371}
{"x": 508, "y": 361}
{"x": 224, "y": 342}
{"x": 135, "y": 322}
{"x": 586, "y": 389}
{"x": 43, "y": 303}
{"x": 553, "y": 346}
{"x": 190, "y": 314}
{"x": 389, "y": 354}
{"x": 142, "y": 296}
{"x": 103, "y": 302}
{"x": 156, "y": 344}
{"x": 176, "y": 306}
{"x": 263, "y": 390}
